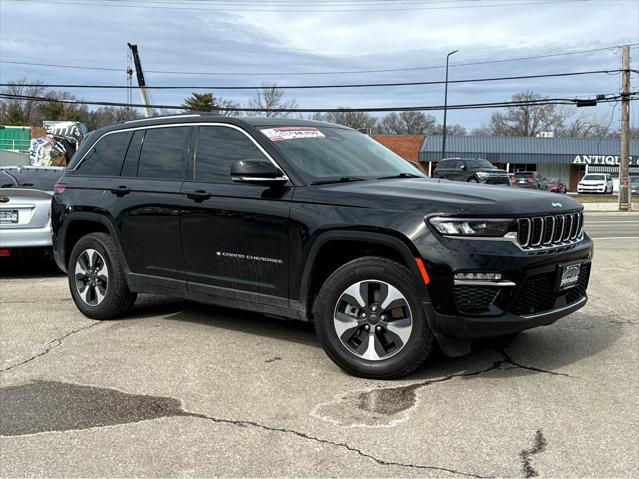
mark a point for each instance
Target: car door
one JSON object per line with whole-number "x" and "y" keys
{"x": 235, "y": 235}
{"x": 147, "y": 199}
{"x": 447, "y": 169}
{"x": 461, "y": 172}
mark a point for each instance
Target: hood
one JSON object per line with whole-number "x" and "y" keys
{"x": 451, "y": 197}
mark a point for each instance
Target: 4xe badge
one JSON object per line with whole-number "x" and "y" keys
{"x": 556, "y": 205}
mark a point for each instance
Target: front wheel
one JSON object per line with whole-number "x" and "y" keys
{"x": 369, "y": 319}
{"x": 96, "y": 278}
{"x": 472, "y": 180}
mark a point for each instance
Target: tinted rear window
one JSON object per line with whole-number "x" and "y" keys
{"x": 525, "y": 174}
{"x": 594, "y": 178}
{"x": 164, "y": 153}
{"x": 106, "y": 156}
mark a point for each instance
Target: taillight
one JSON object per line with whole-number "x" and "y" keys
{"x": 59, "y": 188}
{"x": 5, "y": 252}
{"x": 531, "y": 180}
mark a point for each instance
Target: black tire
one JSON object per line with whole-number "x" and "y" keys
{"x": 472, "y": 179}
{"x": 117, "y": 298}
{"x": 415, "y": 350}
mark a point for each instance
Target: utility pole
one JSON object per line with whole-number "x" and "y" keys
{"x": 144, "y": 95}
{"x": 624, "y": 181}
{"x": 445, "y": 106}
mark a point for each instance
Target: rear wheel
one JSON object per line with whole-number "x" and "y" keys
{"x": 370, "y": 321}
{"x": 96, "y": 278}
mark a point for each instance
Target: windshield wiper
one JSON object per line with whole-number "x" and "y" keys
{"x": 343, "y": 179}
{"x": 400, "y": 175}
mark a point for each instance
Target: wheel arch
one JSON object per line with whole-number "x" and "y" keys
{"x": 80, "y": 224}
{"x": 331, "y": 249}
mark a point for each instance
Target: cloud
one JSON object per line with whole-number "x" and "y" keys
{"x": 206, "y": 41}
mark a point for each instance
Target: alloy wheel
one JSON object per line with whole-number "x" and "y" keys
{"x": 91, "y": 277}
{"x": 373, "y": 320}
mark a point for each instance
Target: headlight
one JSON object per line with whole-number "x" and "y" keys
{"x": 482, "y": 174}
{"x": 471, "y": 227}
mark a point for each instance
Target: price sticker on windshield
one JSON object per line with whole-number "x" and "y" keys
{"x": 292, "y": 133}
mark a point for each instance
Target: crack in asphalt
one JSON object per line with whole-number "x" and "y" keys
{"x": 303, "y": 435}
{"x": 501, "y": 349}
{"x": 525, "y": 455}
{"x": 51, "y": 345}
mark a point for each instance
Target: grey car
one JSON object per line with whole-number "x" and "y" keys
{"x": 634, "y": 185}
{"x": 25, "y": 208}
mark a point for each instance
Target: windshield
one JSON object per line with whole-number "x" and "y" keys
{"x": 325, "y": 153}
{"x": 481, "y": 163}
{"x": 552, "y": 181}
{"x": 594, "y": 178}
{"x": 634, "y": 179}
{"x": 525, "y": 174}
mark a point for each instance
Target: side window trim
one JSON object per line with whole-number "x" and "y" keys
{"x": 126, "y": 152}
{"x": 194, "y": 124}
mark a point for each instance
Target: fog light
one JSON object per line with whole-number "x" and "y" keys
{"x": 479, "y": 276}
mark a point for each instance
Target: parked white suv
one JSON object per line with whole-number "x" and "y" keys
{"x": 595, "y": 183}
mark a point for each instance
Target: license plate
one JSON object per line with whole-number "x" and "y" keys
{"x": 568, "y": 275}
{"x": 8, "y": 217}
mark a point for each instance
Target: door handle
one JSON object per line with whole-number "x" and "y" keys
{"x": 198, "y": 195}
{"x": 121, "y": 190}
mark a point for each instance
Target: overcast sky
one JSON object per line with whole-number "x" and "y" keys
{"x": 221, "y": 36}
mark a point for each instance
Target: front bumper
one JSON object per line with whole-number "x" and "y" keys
{"x": 465, "y": 327}
{"x": 25, "y": 237}
{"x": 591, "y": 189}
{"x": 527, "y": 297}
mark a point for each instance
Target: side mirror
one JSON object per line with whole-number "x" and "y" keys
{"x": 463, "y": 167}
{"x": 257, "y": 172}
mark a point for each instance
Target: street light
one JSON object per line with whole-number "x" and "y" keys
{"x": 445, "y": 106}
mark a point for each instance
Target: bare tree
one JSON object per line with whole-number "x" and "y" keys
{"x": 526, "y": 119}
{"x": 407, "y": 123}
{"x": 451, "y": 130}
{"x": 61, "y": 107}
{"x": 107, "y": 115}
{"x": 358, "y": 120}
{"x": 14, "y": 111}
{"x": 270, "y": 98}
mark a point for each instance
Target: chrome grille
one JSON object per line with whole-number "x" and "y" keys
{"x": 549, "y": 231}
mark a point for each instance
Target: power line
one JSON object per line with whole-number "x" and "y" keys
{"x": 317, "y": 87}
{"x": 347, "y": 72}
{"x": 468, "y": 106}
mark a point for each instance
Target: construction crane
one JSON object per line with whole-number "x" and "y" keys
{"x": 144, "y": 94}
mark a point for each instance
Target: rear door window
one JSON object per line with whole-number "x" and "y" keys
{"x": 448, "y": 165}
{"x": 106, "y": 156}
{"x": 164, "y": 153}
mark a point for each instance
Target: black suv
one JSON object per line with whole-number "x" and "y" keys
{"x": 317, "y": 222}
{"x": 472, "y": 170}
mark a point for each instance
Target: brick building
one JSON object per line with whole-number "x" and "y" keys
{"x": 406, "y": 146}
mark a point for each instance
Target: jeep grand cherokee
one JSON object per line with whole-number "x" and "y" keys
{"x": 317, "y": 222}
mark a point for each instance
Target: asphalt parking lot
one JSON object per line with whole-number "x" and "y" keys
{"x": 180, "y": 389}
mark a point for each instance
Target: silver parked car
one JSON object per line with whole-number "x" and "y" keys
{"x": 25, "y": 208}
